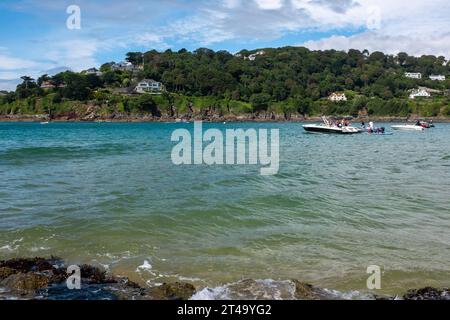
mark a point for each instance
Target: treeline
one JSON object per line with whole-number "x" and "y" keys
{"x": 286, "y": 80}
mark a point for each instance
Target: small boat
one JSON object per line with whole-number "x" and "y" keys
{"x": 45, "y": 122}
{"x": 408, "y": 127}
{"x": 328, "y": 127}
{"x": 371, "y": 129}
{"x": 321, "y": 128}
{"x": 426, "y": 125}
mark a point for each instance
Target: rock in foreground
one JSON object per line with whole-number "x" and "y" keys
{"x": 39, "y": 278}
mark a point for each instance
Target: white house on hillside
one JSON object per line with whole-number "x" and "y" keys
{"x": 92, "y": 71}
{"x": 413, "y": 75}
{"x": 149, "y": 86}
{"x": 437, "y": 77}
{"x": 337, "y": 97}
{"x": 123, "y": 66}
{"x": 253, "y": 56}
{"x": 419, "y": 93}
{"x": 47, "y": 85}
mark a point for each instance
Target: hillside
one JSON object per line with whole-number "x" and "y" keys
{"x": 268, "y": 83}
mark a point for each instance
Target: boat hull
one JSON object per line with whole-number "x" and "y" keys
{"x": 330, "y": 130}
{"x": 408, "y": 128}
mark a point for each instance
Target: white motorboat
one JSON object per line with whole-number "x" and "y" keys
{"x": 328, "y": 127}
{"x": 408, "y": 127}
{"x": 321, "y": 128}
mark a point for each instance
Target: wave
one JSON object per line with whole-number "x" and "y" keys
{"x": 269, "y": 289}
{"x": 13, "y": 246}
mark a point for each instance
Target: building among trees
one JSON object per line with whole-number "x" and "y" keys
{"x": 149, "y": 86}
{"x": 437, "y": 77}
{"x": 337, "y": 97}
{"x": 413, "y": 75}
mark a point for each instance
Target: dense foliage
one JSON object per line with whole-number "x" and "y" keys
{"x": 284, "y": 80}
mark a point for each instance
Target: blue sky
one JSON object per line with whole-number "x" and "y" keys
{"x": 34, "y": 38}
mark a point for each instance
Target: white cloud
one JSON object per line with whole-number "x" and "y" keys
{"x": 269, "y": 4}
{"x": 76, "y": 54}
{"x": 416, "y": 28}
{"x": 374, "y": 41}
{"x": 231, "y": 4}
{"x": 12, "y": 63}
{"x": 9, "y": 85}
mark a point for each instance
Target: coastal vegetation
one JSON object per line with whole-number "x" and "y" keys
{"x": 285, "y": 81}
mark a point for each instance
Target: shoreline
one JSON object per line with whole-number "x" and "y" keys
{"x": 210, "y": 119}
{"x": 46, "y": 279}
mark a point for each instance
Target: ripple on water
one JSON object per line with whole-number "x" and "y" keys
{"x": 336, "y": 200}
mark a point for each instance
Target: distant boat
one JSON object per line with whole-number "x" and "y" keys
{"x": 408, "y": 127}
{"x": 45, "y": 122}
{"x": 427, "y": 125}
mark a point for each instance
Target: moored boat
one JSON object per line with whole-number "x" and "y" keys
{"x": 408, "y": 127}
{"x": 331, "y": 128}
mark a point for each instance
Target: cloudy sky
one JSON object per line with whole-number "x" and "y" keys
{"x": 35, "y": 39}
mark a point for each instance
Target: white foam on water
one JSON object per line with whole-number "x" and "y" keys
{"x": 150, "y": 283}
{"x": 13, "y": 246}
{"x": 104, "y": 266}
{"x": 146, "y": 266}
{"x": 7, "y": 248}
{"x": 208, "y": 294}
{"x": 350, "y": 295}
{"x": 45, "y": 239}
{"x": 107, "y": 255}
{"x": 269, "y": 289}
{"x": 249, "y": 290}
{"x": 181, "y": 278}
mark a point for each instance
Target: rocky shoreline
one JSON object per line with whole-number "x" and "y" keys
{"x": 45, "y": 279}
{"x": 269, "y": 117}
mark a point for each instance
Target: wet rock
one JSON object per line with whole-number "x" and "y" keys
{"x": 94, "y": 275}
{"x": 29, "y": 264}
{"x": 383, "y": 298}
{"x": 172, "y": 291}
{"x": 428, "y": 294}
{"x": 25, "y": 282}
{"x": 304, "y": 291}
{"x": 5, "y": 272}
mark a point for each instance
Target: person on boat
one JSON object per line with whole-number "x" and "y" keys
{"x": 363, "y": 125}
{"x": 419, "y": 123}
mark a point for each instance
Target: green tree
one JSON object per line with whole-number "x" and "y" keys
{"x": 260, "y": 102}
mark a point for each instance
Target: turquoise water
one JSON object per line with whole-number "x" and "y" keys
{"x": 108, "y": 194}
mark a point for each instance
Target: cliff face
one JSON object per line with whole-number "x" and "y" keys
{"x": 85, "y": 112}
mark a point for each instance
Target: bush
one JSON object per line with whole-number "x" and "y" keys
{"x": 446, "y": 111}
